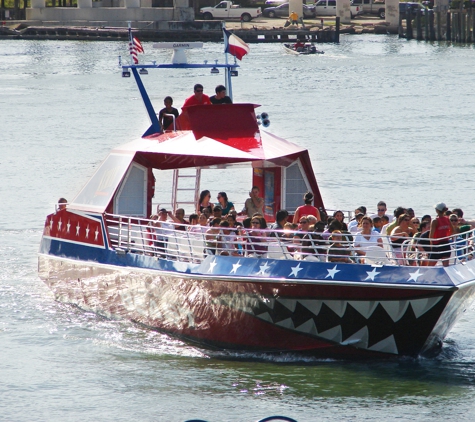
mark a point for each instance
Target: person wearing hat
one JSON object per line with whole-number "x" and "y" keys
{"x": 440, "y": 229}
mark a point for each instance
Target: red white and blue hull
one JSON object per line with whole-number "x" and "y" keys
{"x": 258, "y": 305}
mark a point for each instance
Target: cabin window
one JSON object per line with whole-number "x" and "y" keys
{"x": 98, "y": 192}
{"x": 131, "y": 199}
{"x": 296, "y": 185}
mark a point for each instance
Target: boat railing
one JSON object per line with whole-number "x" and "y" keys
{"x": 193, "y": 243}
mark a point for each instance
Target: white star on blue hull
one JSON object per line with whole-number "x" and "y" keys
{"x": 332, "y": 272}
{"x": 372, "y": 274}
{"x": 263, "y": 269}
{"x": 295, "y": 270}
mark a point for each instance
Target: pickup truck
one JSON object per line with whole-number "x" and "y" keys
{"x": 371, "y": 7}
{"x": 226, "y": 9}
{"x": 328, "y": 8}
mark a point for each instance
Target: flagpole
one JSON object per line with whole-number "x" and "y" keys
{"x": 129, "y": 24}
{"x": 227, "y": 78}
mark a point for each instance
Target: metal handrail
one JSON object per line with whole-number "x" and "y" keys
{"x": 144, "y": 236}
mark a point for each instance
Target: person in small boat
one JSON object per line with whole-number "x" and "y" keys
{"x": 198, "y": 98}
{"x": 440, "y": 228}
{"x": 220, "y": 97}
{"x": 367, "y": 237}
{"x": 225, "y": 204}
{"x": 338, "y": 252}
{"x": 165, "y": 121}
{"x": 299, "y": 45}
{"x": 306, "y": 209}
{"x": 205, "y": 202}
{"x": 254, "y": 204}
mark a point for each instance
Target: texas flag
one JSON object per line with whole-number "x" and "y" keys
{"x": 234, "y": 45}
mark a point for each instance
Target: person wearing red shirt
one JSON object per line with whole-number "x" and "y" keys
{"x": 440, "y": 229}
{"x": 198, "y": 98}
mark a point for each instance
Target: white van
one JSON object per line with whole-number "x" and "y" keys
{"x": 328, "y": 8}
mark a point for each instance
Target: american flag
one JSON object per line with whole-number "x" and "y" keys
{"x": 135, "y": 47}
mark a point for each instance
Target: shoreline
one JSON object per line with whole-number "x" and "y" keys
{"x": 258, "y": 30}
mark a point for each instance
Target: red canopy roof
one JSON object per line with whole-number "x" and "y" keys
{"x": 214, "y": 135}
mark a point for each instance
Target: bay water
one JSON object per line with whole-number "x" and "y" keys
{"x": 383, "y": 118}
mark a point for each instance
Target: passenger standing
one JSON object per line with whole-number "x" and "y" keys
{"x": 220, "y": 97}
{"x": 440, "y": 228}
{"x": 198, "y": 98}
{"x": 166, "y": 121}
{"x": 254, "y": 204}
{"x": 306, "y": 209}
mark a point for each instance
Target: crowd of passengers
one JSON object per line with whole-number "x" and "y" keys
{"x": 313, "y": 233}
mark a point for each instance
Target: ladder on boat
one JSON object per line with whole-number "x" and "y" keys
{"x": 186, "y": 186}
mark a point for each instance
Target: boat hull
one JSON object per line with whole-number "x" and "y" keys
{"x": 258, "y": 313}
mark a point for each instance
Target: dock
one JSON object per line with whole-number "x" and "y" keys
{"x": 178, "y": 34}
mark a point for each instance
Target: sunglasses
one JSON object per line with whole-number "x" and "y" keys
{"x": 453, "y": 221}
{"x": 198, "y": 90}
{"x": 304, "y": 222}
{"x": 381, "y": 209}
{"x": 255, "y": 222}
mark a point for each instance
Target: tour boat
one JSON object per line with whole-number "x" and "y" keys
{"x": 102, "y": 253}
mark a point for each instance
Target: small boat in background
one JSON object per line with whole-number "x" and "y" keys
{"x": 302, "y": 48}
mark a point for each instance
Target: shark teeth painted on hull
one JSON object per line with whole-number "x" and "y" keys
{"x": 370, "y": 324}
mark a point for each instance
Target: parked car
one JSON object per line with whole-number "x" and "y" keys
{"x": 275, "y": 2}
{"x": 372, "y": 7}
{"x": 282, "y": 11}
{"x": 328, "y": 8}
{"x": 226, "y": 9}
{"x": 412, "y": 6}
